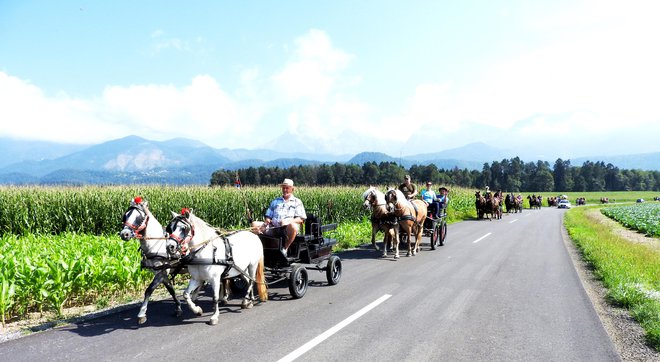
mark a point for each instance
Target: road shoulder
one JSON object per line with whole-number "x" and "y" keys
{"x": 626, "y": 334}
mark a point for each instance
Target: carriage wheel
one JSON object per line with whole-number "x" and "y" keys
{"x": 435, "y": 235}
{"x": 298, "y": 281}
{"x": 333, "y": 270}
{"x": 443, "y": 233}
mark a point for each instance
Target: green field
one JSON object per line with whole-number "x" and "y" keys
{"x": 642, "y": 217}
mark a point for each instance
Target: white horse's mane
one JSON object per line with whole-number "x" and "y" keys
{"x": 208, "y": 231}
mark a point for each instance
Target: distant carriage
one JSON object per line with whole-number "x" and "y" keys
{"x": 512, "y": 203}
{"x": 534, "y": 201}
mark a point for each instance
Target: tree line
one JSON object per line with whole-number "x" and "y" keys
{"x": 510, "y": 175}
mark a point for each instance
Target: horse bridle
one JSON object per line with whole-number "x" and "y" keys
{"x": 188, "y": 232}
{"x": 140, "y": 223}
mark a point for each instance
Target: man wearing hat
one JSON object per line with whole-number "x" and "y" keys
{"x": 442, "y": 199}
{"x": 284, "y": 215}
{"x": 409, "y": 189}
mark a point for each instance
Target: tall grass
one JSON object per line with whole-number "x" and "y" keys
{"x": 630, "y": 271}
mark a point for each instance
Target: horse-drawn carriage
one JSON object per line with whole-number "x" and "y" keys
{"x": 436, "y": 228}
{"x": 309, "y": 251}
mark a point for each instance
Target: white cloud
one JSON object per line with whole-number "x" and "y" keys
{"x": 312, "y": 73}
{"x": 28, "y": 113}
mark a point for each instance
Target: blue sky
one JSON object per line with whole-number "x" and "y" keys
{"x": 558, "y": 78}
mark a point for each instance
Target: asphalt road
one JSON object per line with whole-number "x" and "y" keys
{"x": 501, "y": 290}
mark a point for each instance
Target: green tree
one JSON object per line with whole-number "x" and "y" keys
{"x": 562, "y": 175}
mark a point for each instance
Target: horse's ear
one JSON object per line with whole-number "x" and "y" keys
{"x": 174, "y": 214}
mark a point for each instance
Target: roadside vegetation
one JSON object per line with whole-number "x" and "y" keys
{"x": 629, "y": 270}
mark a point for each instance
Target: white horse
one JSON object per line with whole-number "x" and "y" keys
{"x": 381, "y": 220}
{"x": 140, "y": 223}
{"x": 214, "y": 257}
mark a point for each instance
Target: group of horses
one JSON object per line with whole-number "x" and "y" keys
{"x": 488, "y": 205}
{"x": 397, "y": 217}
{"x": 208, "y": 254}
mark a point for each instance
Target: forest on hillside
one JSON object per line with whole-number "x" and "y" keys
{"x": 510, "y": 175}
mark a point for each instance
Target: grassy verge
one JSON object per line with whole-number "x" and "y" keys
{"x": 630, "y": 271}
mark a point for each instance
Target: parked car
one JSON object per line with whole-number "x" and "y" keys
{"x": 564, "y": 204}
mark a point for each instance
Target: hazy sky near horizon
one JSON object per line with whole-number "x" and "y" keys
{"x": 567, "y": 78}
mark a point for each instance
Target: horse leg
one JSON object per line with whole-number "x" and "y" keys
{"x": 248, "y": 301}
{"x": 192, "y": 286}
{"x": 158, "y": 278}
{"x": 168, "y": 285}
{"x": 395, "y": 241}
{"x": 409, "y": 233}
{"x": 374, "y": 231}
{"x": 418, "y": 238}
{"x": 224, "y": 292}
{"x": 216, "y": 283}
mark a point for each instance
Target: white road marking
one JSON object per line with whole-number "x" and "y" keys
{"x": 325, "y": 335}
{"x": 512, "y": 221}
{"x": 481, "y": 238}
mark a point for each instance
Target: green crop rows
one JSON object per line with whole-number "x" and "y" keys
{"x": 642, "y": 217}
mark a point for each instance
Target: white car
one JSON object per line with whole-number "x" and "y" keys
{"x": 564, "y": 204}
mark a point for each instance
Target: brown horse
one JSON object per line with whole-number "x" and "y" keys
{"x": 381, "y": 219}
{"x": 411, "y": 214}
{"x": 493, "y": 207}
{"x": 534, "y": 202}
{"x": 512, "y": 203}
{"x": 480, "y": 204}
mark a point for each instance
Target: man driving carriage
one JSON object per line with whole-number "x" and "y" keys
{"x": 409, "y": 189}
{"x": 284, "y": 216}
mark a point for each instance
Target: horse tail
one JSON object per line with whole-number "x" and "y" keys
{"x": 261, "y": 281}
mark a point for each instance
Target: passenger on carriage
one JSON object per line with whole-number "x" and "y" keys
{"x": 436, "y": 202}
{"x": 284, "y": 216}
{"x": 443, "y": 199}
{"x": 428, "y": 195}
{"x": 409, "y": 189}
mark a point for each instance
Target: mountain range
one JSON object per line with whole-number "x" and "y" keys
{"x": 132, "y": 160}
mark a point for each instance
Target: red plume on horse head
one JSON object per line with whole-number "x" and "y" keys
{"x": 185, "y": 212}
{"x": 137, "y": 199}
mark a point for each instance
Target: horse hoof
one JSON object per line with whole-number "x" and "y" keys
{"x": 141, "y": 320}
{"x": 247, "y": 306}
{"x": 213, "y": 322}
{"x": 396, "y": 257}
{"x": 179, "y": 313}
